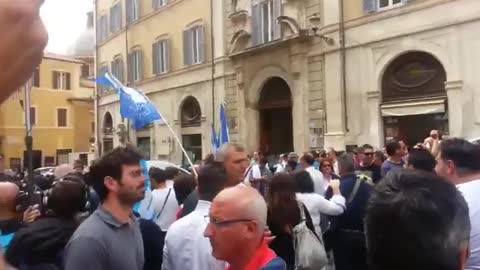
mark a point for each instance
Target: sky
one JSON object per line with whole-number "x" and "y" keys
{"x": 64, "y": 20}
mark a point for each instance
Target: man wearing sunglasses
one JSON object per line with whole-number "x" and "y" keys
{"x": 236, "y": 225}
{"x": 367, "y": 166}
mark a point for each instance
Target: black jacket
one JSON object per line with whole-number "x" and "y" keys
{"x": 42, "y": 242}
{"x": 153, "y": 241}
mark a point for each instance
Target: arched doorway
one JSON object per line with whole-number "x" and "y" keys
{"x": 191, "y": 122}
{"x": 107, "y": 132}
{"x": 276, "y": 127}
{"x": 414, "y": 99}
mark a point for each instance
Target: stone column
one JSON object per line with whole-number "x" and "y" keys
{"x": 334, "y": 136}
{"x": 375, "y": 129}
{"x": 455, "y": 107}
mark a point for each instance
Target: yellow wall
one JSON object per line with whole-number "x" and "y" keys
{"x": 170, "y": 20}
{"x": 354, "y": 8}
{"x": 47, "y": 137}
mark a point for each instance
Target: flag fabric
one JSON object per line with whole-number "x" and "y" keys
{"x": 144, "y": 207}
{"x": 215, "y": 141}
{"x": 134, "y": 104}
{"x": 223, "y": 136}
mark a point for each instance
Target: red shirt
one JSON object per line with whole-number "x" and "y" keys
{"x": 262, "y": 257}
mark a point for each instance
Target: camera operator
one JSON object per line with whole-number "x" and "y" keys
{"x": 41, "y": 244}
{"x": 11, "y": 208}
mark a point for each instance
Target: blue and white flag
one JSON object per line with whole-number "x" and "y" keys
{"x": 134, "y": 104}
{"x": 215, "y": 141}
{"x": 223, "y": 136}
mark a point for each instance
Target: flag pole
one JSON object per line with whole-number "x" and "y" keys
{"x": 179, "y": 143}
{"x": 28, "y": 137}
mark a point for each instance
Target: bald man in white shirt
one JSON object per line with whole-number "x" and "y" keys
{"x": 185, "y": 246}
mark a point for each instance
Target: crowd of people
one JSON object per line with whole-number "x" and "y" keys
{"x": 404, "y": 210}
{"x": 395, "y": 208}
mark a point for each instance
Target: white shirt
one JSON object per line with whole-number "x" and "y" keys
{"x": 168, "y": 215}
{"x": 471, "y": 193}
{"x": 317, "y": 204}
{"x": 186, "y": 247}
{"x": 335, "y": 168}
{"x": 318, "y": 182}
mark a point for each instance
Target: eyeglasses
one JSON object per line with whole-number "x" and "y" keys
{"x": 368, "y": 154}
{"x": 225, "y": 223}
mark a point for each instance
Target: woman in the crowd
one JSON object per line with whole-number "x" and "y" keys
{"x": 183, "y": 185}
{"x": 283, "y": 215}
{"x": 326, "y": 167}
{"x": 316, "y": 203}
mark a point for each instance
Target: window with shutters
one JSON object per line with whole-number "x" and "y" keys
{"x": 194, "y": 45}
{"x": 101, "y": 72}
{"x": 62, "y": 117}
{"x": 102, "y": 28}
{"x": 135, "y": 65}
{"x": 370, "y": 6}
{"x": 85, "y": 71}
{"x": 36, "y": 77}
{"x": 132, "y": 10}
{"x": 115, "y": 18}
{"x": 33, "y": 115}
{"x": 117, "y": 68}
{"x": 265, "y": 27}
{"x": 161, "y": 56}
{"x": 158, "y": 3}
{"x": 61, "y": 80}
{"x": 384, "y": 4}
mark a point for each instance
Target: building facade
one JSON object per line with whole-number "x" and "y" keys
{"x": 409, "y": 67}
{"x": 165, "y": 48}
{"x": 295, "y": 75}
{"x": 275, "y": 100}
{"x": 61, "y": 114}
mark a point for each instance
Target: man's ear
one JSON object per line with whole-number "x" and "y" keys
{"x": 451, "y": 167}
{"x": 110, "y": 183}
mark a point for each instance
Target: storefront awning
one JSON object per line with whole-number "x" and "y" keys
{"x": 414, "y": 107}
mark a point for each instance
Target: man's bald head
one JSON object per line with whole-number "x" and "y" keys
{"x": 245, "y": 202}
{"x": 8, "y": 195}
{"x": 237, "y": 215}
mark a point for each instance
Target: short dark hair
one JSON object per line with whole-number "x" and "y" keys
{"x": 346, "y": 163}
{"x": 308, "y": 158}
{"x": 367, "y": 146}
{"x": 171, "y": 173}
{"x": 183, "y": 186}
{"x": 464, "y": 154}
{"x": 416, "y": 220}
{"x": 392, "y": 147}
{"x": 111, "y": 165}
{"x": 304, "y": 182}
{"x": 158, "y": 175}
{"x": 422, "y": 159}
{"x": 211, "y": 180}
{"x": 379, "y": 154}
{"x": 68, "y": 196}
{"x": 209, "y": 159}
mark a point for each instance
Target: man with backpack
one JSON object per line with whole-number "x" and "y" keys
{"x": 346, "y": 236}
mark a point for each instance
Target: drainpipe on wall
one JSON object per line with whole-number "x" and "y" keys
{"x": 343, "y": 65}
{"x": 98, "y": 149}
{"x": 212, "y": 46}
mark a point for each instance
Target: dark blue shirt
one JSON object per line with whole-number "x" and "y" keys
{"x": 352, "y": 218}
